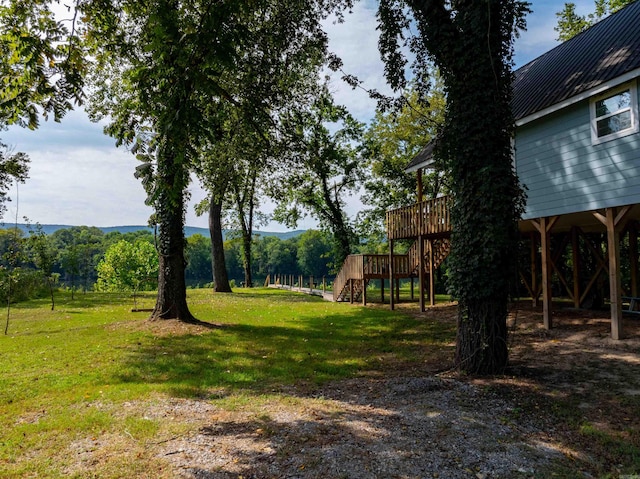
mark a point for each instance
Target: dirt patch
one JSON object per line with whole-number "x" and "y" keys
{"x": 569, "y": 405}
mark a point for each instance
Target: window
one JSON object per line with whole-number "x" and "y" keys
{"x": 614, "y": 114}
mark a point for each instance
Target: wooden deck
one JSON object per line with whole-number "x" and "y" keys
{"x": 358, "y": 269}
{"x": 429, "y": 218}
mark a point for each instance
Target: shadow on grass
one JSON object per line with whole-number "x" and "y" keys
{"x": 306, "y": 350}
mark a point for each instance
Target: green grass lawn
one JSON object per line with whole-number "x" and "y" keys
{"x": 58, "y": 366}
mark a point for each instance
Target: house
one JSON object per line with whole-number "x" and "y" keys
{"x": 577, "y": 151}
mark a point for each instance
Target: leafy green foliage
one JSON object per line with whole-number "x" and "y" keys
{"x": 41, "y": 63}
{"x": 13, "y": 167}
{"x": 323, "y": 168}
{"x": 128, "y": 267}
{"x": 391, "y": 141}
{"x": 570, "y": 23}
{"x": 314, "y": 253}
{"x": 198, "y": 255}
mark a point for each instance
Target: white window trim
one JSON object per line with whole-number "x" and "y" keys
{"x": 633, "y": 90}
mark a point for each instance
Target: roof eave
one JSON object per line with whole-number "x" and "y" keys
{"x": 578, "y": 98}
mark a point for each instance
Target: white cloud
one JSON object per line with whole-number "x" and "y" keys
{"x": 79, "y": 177}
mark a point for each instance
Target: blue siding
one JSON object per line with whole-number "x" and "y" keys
{"x": 565, "y": 173}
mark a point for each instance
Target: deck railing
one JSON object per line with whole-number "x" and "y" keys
{"x": 429, "y": 217}
{"x": 368, "y": 266}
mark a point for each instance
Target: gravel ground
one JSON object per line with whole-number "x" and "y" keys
{"x": 432, "y": 427}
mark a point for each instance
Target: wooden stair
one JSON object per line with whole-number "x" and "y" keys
{"x": 358, "y": 269}
{"x": 441, "y": 249}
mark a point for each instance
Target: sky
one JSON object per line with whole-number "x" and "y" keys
{"x": 78, "y": 177}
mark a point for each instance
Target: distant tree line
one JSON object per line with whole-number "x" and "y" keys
{"x": 80, "y": 259}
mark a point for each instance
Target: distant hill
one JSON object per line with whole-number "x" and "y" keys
{"x": 189, "y": 230}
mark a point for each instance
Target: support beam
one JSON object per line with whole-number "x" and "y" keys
{"x": 544, "y": 227}
{"x": 432, "y": 287}
{"x": 615, "y": 293}
{"x": 391, "y": 305}
{"x": 421, "y": 271}
{"x": 534, "y": 270}
{"x": 575, "y": 252}
{"x": 633, "y": 258}
{"x": 382, "y": 290}
{"x": 613, "y": 220}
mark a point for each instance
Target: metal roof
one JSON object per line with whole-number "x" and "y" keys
{"x": 607, "y": 50}
{"x": 422, "y": 159}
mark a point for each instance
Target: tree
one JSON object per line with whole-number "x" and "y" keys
{"x": 391, "y": 141}
{"x": 43, "y": 255}
{"x": 13, "y": 167}
{"x": 198, "y": 254}
{"x": 41, "y": 63}
{"x": 314, "y": 253}
{"x": 323, "y": 168}
{"x": 570, "y": 23}
{"x": 79, "y": 249}
{"x": 128, "y": 267}
{"x": 163, "y": 66}
{"x": 471, "y": 45}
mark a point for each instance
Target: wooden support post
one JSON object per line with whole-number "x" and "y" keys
{"x": 411, "y": 286}
{"x": 382, "y": 290}
{"x": 615, "y": 289}
{"x": 432, "y": 283}
{"x": 534, "y": 270}
{"x": 397, "y": 290}
{"x": 575, "y": 251}
{"x": 612, "y": 219}
{"x": 421, "y": 271}
{"x": 544, "y": 227}
{"x": 391, "y": 305}
{"x": 633, "y": 257}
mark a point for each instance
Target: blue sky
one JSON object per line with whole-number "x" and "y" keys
{"x": 78, "y": 176}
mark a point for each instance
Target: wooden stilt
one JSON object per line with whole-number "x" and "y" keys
{"x": 421, "y": 272}
{"x": 615, "y": 293}
{"x": 612, "y": 219}
{"x": 534, "y": 270}
{"x": 544, "y": 227}
{"x": 391, "y": 305}
{"x": 382, "y": 290}
{"x": 633, "y": 259}
{"x": 575, "y": 252}
{"x": 432, "y": 287}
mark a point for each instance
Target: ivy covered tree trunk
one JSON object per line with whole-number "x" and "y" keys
{"x": 171, "y": 302}
{"x": 219, "y": 268}
{"x": 471, "y": 43}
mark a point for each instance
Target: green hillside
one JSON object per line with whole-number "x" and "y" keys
{"x": 189, "y": 230}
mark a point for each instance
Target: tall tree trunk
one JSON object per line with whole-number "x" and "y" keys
{"x": 219, "y": 267}
{"x": 245, "y": 218}
{"x": 472, "y": 48}
{"x": 171, "y": 302}
{"x": 246, "y": 260}
{"x": 341, "y": 233}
